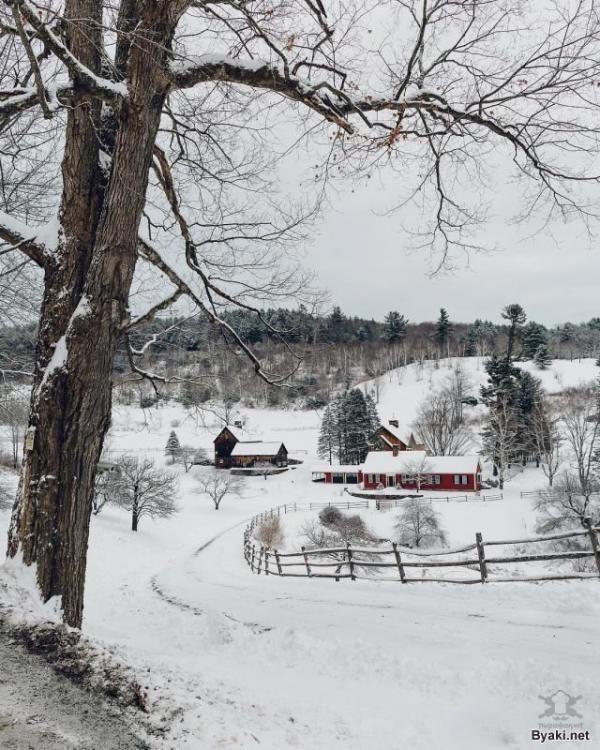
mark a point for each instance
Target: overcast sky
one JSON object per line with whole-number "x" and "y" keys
{"x": 366, "y": 262}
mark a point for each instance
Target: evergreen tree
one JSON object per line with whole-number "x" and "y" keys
{"x": 442, "y": 330}
{"x": 542, "y": 358}
{"x": 394, "y": 327}
{"x": 327, "y": 435}
{"x": 173, "y": 447}
{"x": 337, "y": 325}
{"x": 347, "y": 426}
{"x": 533, "y": 336}
{"x": 516, "y": 316}
{"x": 471, "y": 342}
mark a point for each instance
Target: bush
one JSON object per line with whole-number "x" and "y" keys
{"x": 330, "y": 516}
{"x": 269, "y": 532}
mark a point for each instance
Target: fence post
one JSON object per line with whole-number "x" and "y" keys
{"x": 338, "y": 570}
{"x": 399, "y": 562}
{"x": 350, "y": 562}
{"x": 308, "y": 573}
{"x": 260, "y": 553}
{"x": 266, "y": 562}
{"x": 594, "y": 541}
{"x": 277, "y": 560}
{"x": 481, "y": 556}
{"x": 252, "y": 560}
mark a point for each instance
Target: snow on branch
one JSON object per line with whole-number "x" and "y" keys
{"x": 79, "y": 71}
{"x": 39, "y": 243}
{"x": 321, "y": 97}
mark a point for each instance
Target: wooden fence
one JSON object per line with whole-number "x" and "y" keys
{"x": 383, "y": 503}
{"x": 367, "y": 562}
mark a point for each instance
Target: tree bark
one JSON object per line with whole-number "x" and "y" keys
{"x": 87, "y": 291}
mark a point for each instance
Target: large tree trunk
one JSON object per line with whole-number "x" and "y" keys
{"x": 85, "y": 306}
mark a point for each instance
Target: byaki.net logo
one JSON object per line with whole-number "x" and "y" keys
{"x": 561, "y": 721}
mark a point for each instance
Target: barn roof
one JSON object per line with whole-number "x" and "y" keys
{"x": 411, "y": 462}
{"x": 238, "y": 433}
{"x": 257, "y": 448}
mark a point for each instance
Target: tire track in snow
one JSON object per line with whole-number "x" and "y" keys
{"x": 175, "y": 601}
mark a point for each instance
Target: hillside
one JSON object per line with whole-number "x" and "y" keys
{"x": 234, "y": 660}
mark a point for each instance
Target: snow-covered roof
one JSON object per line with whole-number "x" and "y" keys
{"x": 256, "y": 448}
{"x": 382, "y": 461}
{"x": 411, "y": 462}
{"x": 397, "y": 432}
{"x": 325, "y": 468}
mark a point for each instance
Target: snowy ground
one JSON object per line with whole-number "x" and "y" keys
{"x": 252, "y": 662}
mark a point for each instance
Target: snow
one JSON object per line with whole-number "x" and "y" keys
{"x": 256, "y": 448}
{"x": 192, "y": 62}
{"x": 45, "y": 235}
{"x": 235, "y": 660}
{"x": 413, "y": 461}
{"x": 58, "y": 360}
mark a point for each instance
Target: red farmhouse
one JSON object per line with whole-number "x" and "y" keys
{"x": 415, "y": 470}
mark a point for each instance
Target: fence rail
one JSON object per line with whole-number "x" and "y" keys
{"x": 361, "y": 562}
{"x": 383, "y": 503}
{"x": 549, "y": 492}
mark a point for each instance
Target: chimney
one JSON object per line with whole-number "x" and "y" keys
{"x": 394, "y": 450}
{"x": 393, "y": 422}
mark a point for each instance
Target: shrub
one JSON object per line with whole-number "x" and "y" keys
{"x": 330, "y": 516}
{"x": 269, "y": 532}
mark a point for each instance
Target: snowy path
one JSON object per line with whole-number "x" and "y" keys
{"x": 371, "y": 649}
{"x": 41, "y": 711}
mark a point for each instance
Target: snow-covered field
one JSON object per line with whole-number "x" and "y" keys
{"x": 244, "y": 661}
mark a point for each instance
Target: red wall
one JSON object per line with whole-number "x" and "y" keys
{"x": 447, "y": 483}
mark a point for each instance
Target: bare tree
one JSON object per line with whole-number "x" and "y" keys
{"x": 568, "y": 504}
{"x": 548, "y": 439}
{"x": 501, "y": 436}
{"x": 418, "y": 525}
{"x": 187, "y": 456}
{"x": 146, "y": 98}
{"x": 217, "y": 485}
{"x": 13, "y": 413}
{"x": 144, "y": 489}
{"x": 439, "y": 425}
{"x": 580, "y": 417}
{"x": 418, "y": 468}
{"x": 107, "y": 489}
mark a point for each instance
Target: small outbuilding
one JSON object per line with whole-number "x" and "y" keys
{"x": 336, "y": 473}
{"x": 234, "y": 449}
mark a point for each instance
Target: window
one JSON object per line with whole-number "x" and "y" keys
{"x": 436, "y": 479}
{"x": 461, "y": 479}
{"x": 408, "y": 478}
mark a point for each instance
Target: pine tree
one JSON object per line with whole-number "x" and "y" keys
{"x": 347, "y": 427}
{"x": 533, "y": 336}
{"x": 173, "y": 447}
{"x": 516, "y": 316}
{"x": 442, "y": 331}
{"x": 542, "y": 358}
{"x": 327, "y": 435}
{"x": 394, "y": 328}
{"x": 471, "y": 342}
{"x": 337, "y": 325}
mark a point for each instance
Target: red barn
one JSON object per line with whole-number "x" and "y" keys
{"x": 415, "y": 470}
